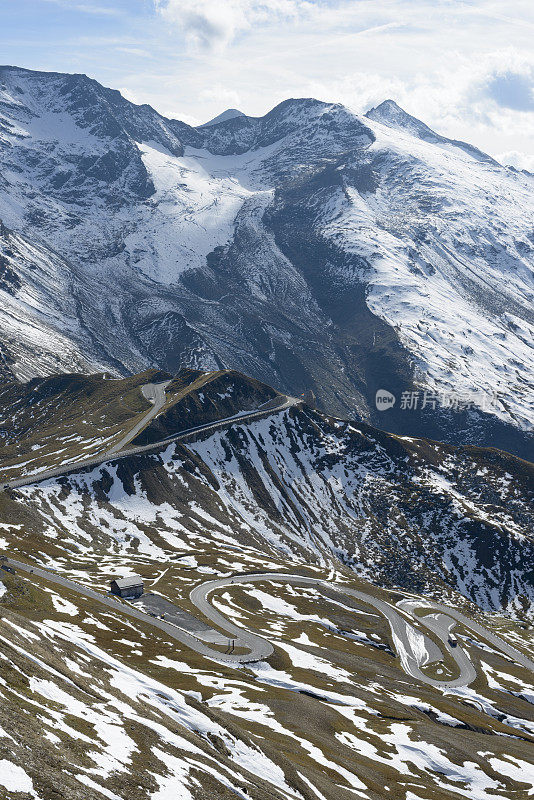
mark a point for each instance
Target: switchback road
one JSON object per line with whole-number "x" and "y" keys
{"x": 411, "y": 645}
{"x": 440, "y": 623}
{"x": 125, "y": 609}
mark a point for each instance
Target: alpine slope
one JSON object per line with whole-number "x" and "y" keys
{"x": 311, "y": 248}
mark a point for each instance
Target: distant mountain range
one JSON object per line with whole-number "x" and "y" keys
{"x": 311, "y": 248}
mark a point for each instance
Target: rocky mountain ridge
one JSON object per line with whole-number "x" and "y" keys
{"x": 311, "y": 248}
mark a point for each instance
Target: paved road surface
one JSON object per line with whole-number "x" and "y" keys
{"x": 442, "y": 622}
{"x": 403, "y": 633}
{"x": 405, "y": 636}
{"x": 155, "y": 394}
{"x": 272, "y": 406}
{"x": 127, "y": 610}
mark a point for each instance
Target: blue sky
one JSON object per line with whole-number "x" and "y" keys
{"x": 466, "y": 67}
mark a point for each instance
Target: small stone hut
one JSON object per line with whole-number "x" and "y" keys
{"x": 130, "y": 587}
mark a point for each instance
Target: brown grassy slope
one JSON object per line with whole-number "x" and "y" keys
{"x": 50, "y": 421}
{"x": 200, "y": 397}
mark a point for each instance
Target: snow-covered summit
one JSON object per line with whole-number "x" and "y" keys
{"x": 392, "y": 115}
{"x": 311, "y": 248}
{"x": 230, "y": 113}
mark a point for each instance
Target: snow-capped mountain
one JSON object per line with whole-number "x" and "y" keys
{"x": 230, "y": 113}
{"x": 310, "y": 248}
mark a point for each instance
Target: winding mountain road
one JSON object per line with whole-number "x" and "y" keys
{"x": 279, "y": 403}
{"x": 411, "y": 645}
{"x": 125, "y": 609}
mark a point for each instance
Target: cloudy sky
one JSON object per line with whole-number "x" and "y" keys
{"x": 466, "y": 67}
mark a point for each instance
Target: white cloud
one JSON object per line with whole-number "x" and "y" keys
{"x": 216, "y": 23}
{"x": 223, "y": 96}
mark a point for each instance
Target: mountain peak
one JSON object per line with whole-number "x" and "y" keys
{"x": 230, "y": 113}
{"x": 389, "y": 106}
{"x": 391, "y": 114}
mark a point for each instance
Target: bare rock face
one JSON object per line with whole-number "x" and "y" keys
{"x": 310, "y": 248}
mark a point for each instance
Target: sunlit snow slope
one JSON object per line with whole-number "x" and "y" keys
{"x": 310, "y": 248}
